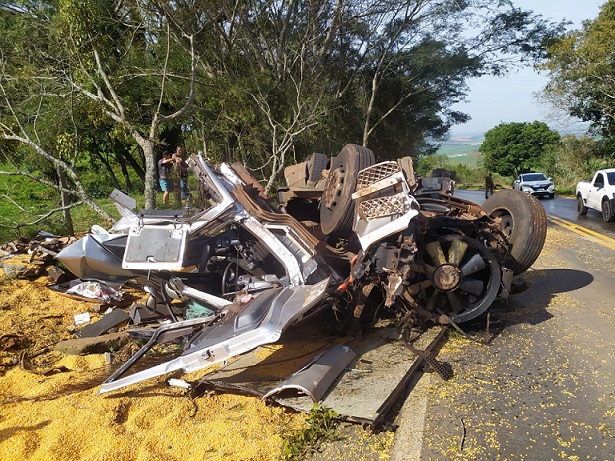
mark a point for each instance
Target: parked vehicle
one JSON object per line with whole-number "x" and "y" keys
{"x": 352, "y": 238}
{"x": 536, "y": 184}
{"x": 598, "y": 194}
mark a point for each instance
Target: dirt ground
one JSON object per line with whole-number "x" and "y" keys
{"x": 51, "y": 409}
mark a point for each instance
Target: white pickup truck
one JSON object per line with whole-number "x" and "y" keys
{"x": 598, "y": 194}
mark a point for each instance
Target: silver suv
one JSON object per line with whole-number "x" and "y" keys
{"x": 536, "y": 184}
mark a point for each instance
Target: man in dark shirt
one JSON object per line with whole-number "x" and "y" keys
{"x": 164, "y": 175}
{"x": 181, "y": 167}
{"x": 489, "y": 185}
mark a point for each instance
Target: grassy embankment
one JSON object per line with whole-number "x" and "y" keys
{"x": 24, "y": 203}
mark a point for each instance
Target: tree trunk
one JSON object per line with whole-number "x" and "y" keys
{"x": 177, "y": 194}
{"x": 135, "y": 165}
{"x": 127, "y": 183}
{"x": 105, "y": 162}
{"x": 150, "y": 173}
{"x": 68, "y": 219}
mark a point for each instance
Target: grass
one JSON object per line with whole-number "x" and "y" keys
{"x": 566, "y": 191}
{"x": 24, "y": 201}
{"x": 319, "y": 427}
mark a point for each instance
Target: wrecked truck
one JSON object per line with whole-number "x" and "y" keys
{"x": 350, "y": 238}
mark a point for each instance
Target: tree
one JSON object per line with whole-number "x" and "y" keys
{"x": 581, "y": 71}
{"x": 33, "y": 143}
{"x": 572, "y": 159}
{"x": 271, "y": 82}
{"x": 383, "y": 74}
{"x": 513, "y": 148}
{"x": 417, "y": 67}
{"x": 113, "y": 47}
{"x": 100, "y": 61}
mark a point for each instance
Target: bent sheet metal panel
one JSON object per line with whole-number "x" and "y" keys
{"x": 315, "y": 378}
{"x": 365, "y": 390}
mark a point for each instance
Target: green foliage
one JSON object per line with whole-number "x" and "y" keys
{"x": 23, "y": 201}
{"x": 573, "y": 159}
{"x": 581, "y": 71}
{"x": 471, "y": 173}
{"x": 96, "y": 83}
{"x": 428, "y": 163}
{"x": 319, "y": 427}
{"x": 513, "y": 148}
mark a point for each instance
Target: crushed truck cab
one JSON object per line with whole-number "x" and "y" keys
{"x": 350, "y": 237}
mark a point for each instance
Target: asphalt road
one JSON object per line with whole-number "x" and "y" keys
{"x": 559, "y": 207}
{"x": 544, "y": 386}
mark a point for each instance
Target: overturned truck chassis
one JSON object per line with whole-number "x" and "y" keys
{"x": 378, "y": 246}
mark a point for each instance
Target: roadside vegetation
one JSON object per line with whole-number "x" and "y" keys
{"x": 581, "y": 84}
{"x": 26, "y": 207}
{"x": 92, "y": 92}
{"x": 566, "y": 159}
{"x": 319, "y": 427}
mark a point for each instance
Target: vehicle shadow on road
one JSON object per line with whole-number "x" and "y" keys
{"x": 531, "y": 305}
{"x": 529, "y": 301}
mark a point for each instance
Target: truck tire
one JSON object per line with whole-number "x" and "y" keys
{"x": 607, "y": 210}
{"x": 525, "y": 221}
{"x": 336, "y": 204}
{"x": 581, "y": 208}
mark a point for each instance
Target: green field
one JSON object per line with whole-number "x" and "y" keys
{"x": 463, "y": 149}
{"x": 464, "y": 154}
{"x": 456, "y": 150}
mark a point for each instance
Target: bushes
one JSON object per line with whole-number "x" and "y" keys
{"x": 573, "y": 159}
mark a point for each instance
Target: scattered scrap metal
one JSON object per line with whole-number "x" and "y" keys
{"x": 32, "y": 257}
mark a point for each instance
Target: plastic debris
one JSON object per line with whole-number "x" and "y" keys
{"x": 96, "y": 290}
{"x": 179, "y": 383}
{"x": 80, "y": 319}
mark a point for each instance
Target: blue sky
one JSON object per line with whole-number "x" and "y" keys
{"x": 492, "y": 101}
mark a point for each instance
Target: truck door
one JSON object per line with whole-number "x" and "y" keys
{"x": 596, "y": 191}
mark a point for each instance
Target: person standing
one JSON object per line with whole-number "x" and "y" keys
{"x": 181, "y": 167}
{"x": 451, "y": 186}
{"x": 164, "y": 175}
{"x": 489, "y": 185}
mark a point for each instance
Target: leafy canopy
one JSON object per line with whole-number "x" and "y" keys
{"x": 582, "y": 71}
{"x": 513, "y": 148}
